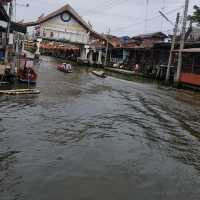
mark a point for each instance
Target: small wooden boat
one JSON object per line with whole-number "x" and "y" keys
{"x": 100, "y": 74}
{"x": 27, "y": 75}
{"x": 66, "y": 68}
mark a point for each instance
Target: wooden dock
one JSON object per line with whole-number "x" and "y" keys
{"x": 20, "y": 91}
{"x": 3, "y": 83}
{"x": 122, "y": 71}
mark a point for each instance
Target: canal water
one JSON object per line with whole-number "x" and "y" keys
{"x": 87, "y": 138}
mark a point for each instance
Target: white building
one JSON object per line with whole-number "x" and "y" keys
{"x": 64, "y": 24}
{"x": 67, "y": 26}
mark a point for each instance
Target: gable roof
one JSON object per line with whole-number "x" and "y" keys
{"x": 70, "y": 10}
{"x": 65, "y": 8}
{"x": 3, "y": 14}
{"x": 113, "y": 40}
{"x": 150, "y": 35}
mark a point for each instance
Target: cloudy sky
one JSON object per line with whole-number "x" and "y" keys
{"x": 123, "y": 17}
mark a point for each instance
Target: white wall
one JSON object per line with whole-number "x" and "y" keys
{"x": 71, "y": 30}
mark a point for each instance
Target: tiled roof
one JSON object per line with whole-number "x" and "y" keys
{"x": 150, "y": 35}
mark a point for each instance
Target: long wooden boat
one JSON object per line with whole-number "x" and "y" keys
{"x": 100, "y": 74}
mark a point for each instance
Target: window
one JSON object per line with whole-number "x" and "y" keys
{"x": 51, "y": 34}
{"x": 44, "y": 33}
{"x": 1, "y": 39}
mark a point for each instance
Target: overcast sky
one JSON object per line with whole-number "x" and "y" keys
{"x": 123, "y": 17}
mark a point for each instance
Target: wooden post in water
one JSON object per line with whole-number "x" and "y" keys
{"x": 182, "y": 42}
{"x": 107, "y": 45}
{"x": 172, "y": 47}
{"x": 8, "y": 32}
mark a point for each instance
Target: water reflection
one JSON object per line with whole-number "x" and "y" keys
{"x": 133, "y": 137}
{"x": 8, "y": 177}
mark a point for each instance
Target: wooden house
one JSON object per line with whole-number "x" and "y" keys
{"x": 18, "y": 28}
{"x": 190, "y": 73}
{"x": 147, "y": 40}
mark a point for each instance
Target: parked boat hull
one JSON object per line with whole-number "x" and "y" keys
{"x": 100, "y": 74}
{"x": 32, "y": 82}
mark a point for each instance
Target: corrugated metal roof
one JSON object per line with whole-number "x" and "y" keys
{"x": 192, "y": 50}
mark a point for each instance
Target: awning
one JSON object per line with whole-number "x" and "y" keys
{"x": 14, "y": 27}
{"x": 18, "y": 27}
{"x": 192, "y": 50}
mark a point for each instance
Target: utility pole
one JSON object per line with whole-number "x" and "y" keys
{"x": 146, "y": 16}
{"x": 182, "y": 41}
{"x": 107, "y": 45}
{"x": 8, "y": 32}
{"x": 172, "y": 47}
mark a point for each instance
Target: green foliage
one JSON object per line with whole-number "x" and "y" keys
{"x": 196, "y": 15}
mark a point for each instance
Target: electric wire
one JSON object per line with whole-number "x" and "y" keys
{"x": 143, "y": 21}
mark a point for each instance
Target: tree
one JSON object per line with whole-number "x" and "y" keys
{"x": 196, "y": 15}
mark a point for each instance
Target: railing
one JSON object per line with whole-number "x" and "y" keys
{"x": 195, "y": 69}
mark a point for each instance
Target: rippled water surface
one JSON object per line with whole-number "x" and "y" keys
{"x": 86, "y": 138}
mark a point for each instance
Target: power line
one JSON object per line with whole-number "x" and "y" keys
{"x": 146, "y": 15}
{"x": 144, "y": 21}
{"x": 106, "y": 5}
{"x": 112, "y": 14}
{"x": 45, "y": 2}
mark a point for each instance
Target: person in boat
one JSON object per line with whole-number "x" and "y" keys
{"x": 25, "y": 70}
{"x": 69, "y": 68}
{"x": 137, "y": 67}
{"x": 65, "y": 67}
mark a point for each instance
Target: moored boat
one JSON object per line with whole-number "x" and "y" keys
{"x": 67, "y": 68}
{"x": 27, "y": 75}
{"x": 100, "y": 74}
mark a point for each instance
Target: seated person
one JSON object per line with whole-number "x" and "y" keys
{"x": 137, "y": 67}
{"x": 69, "y": 67}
